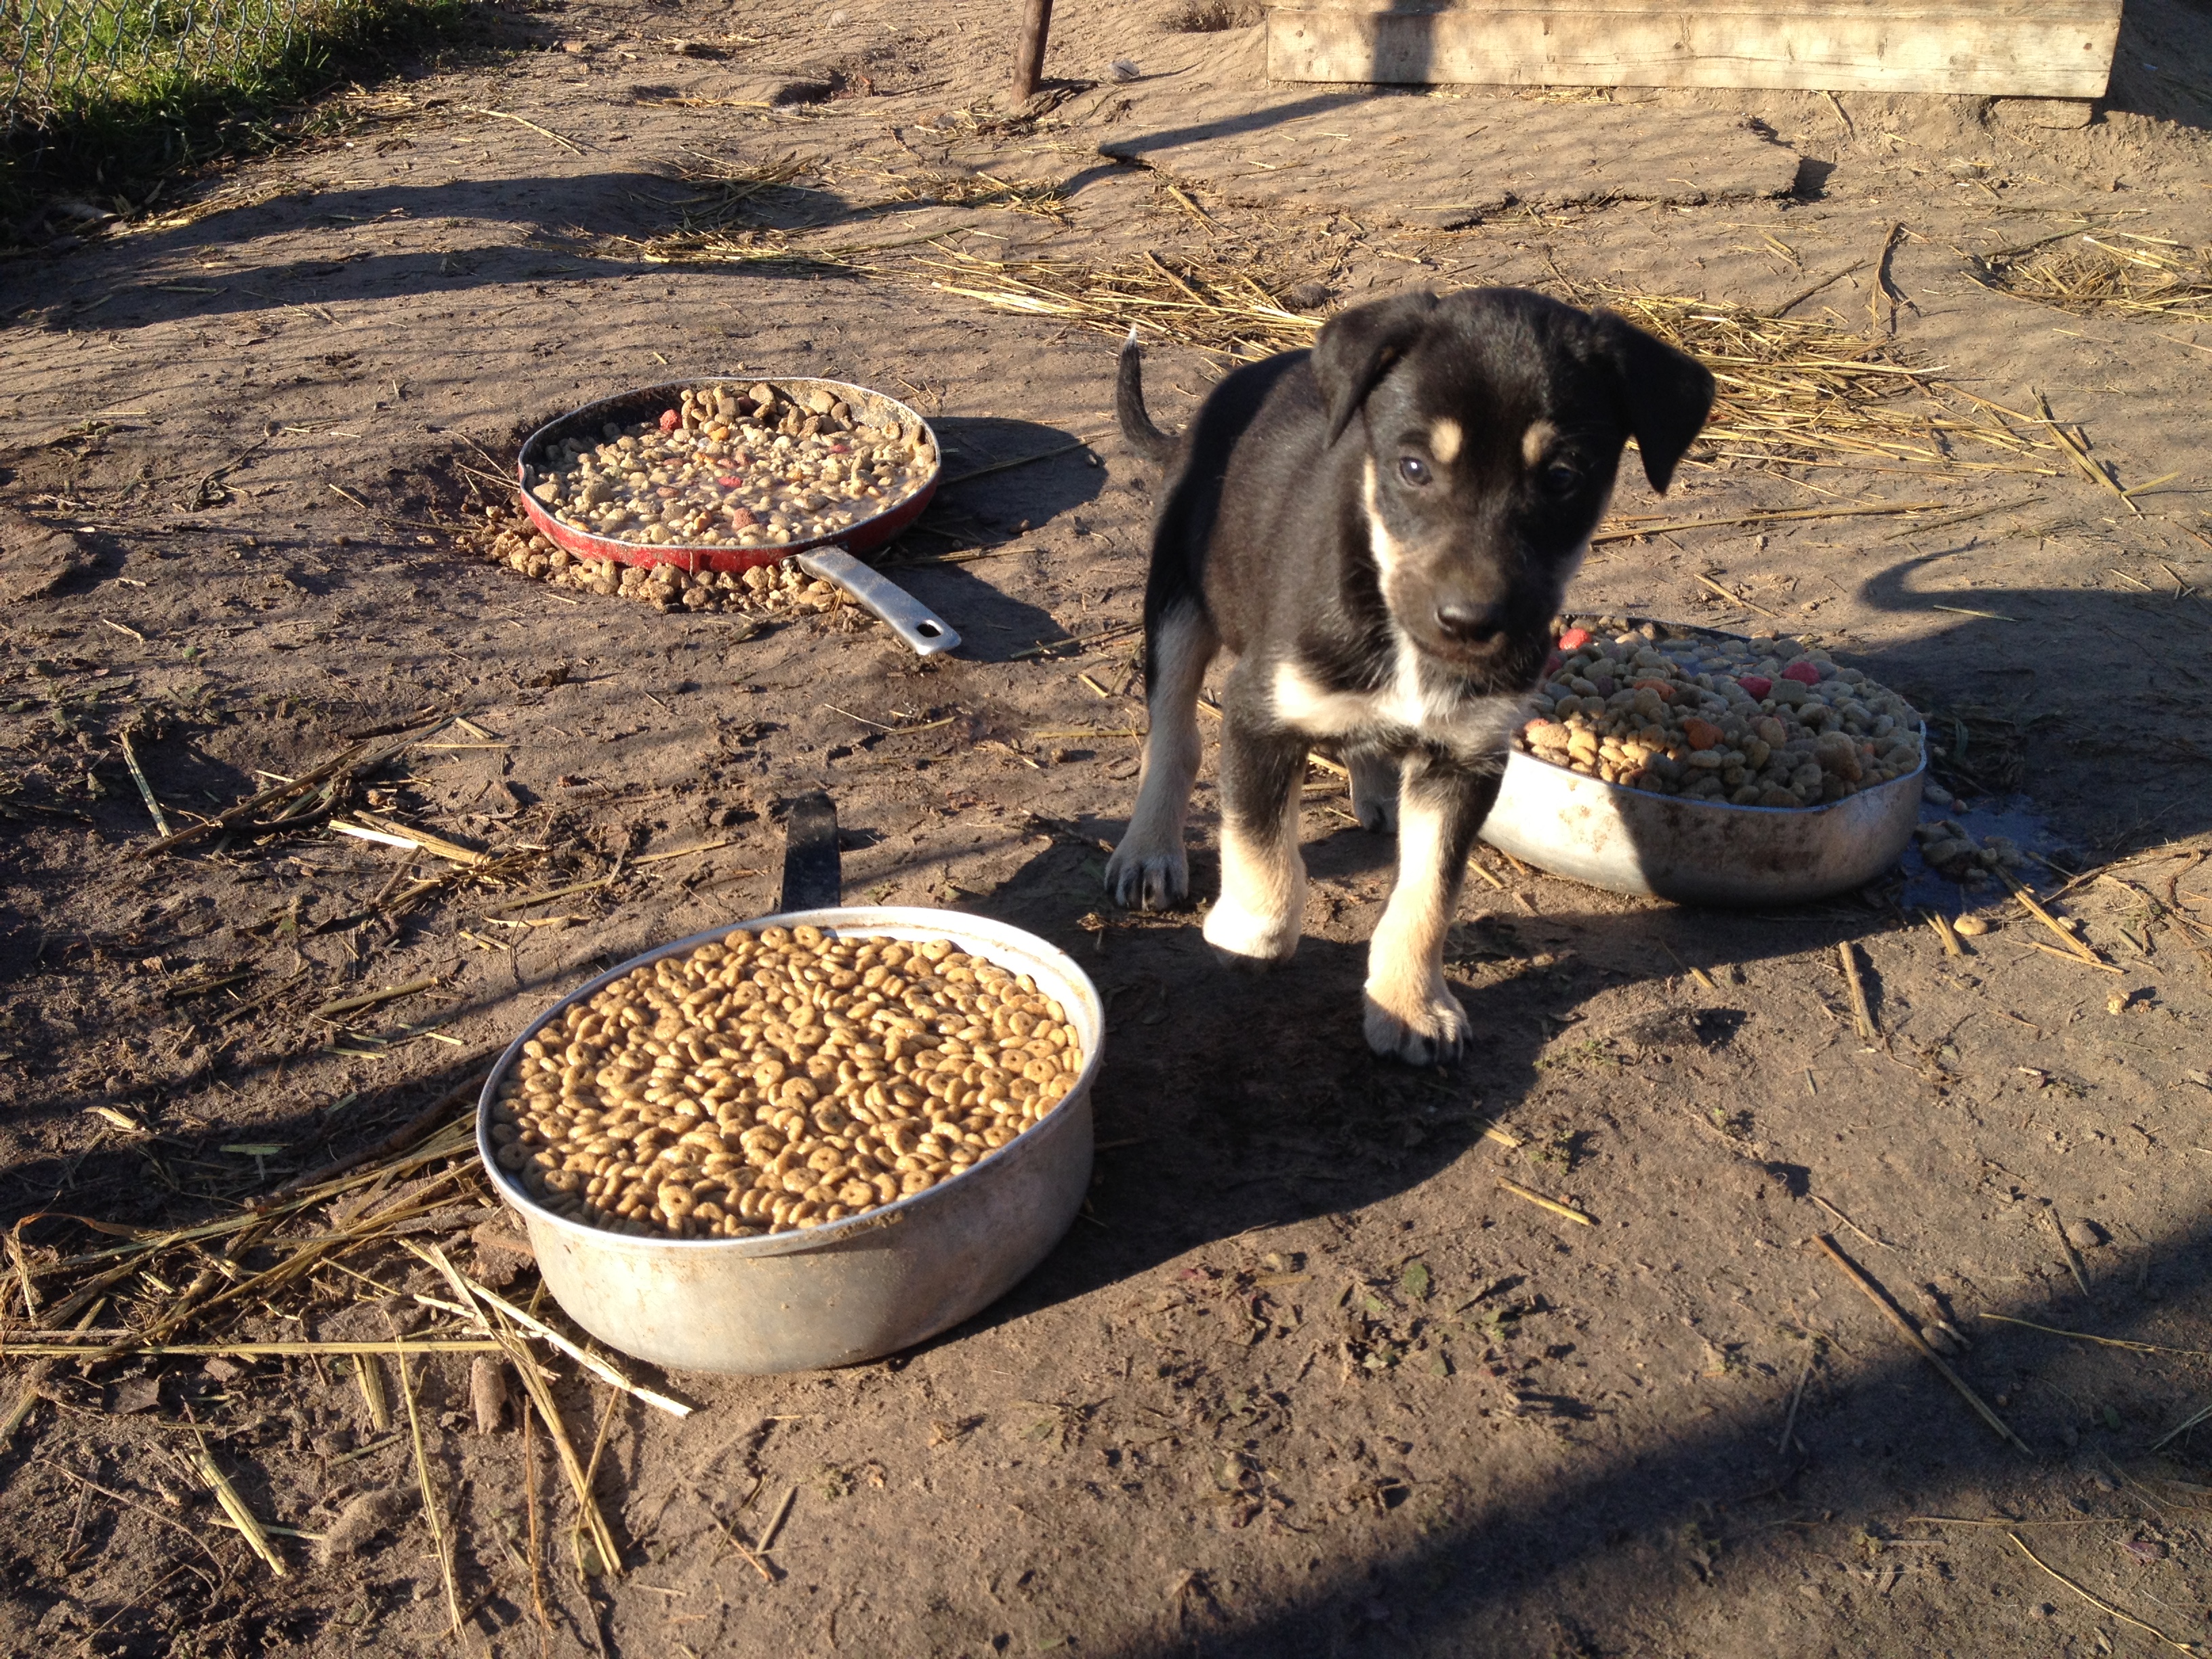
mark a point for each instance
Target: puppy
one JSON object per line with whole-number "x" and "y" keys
{"x": 1381, "y": 530}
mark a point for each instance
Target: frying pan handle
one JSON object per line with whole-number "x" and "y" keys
{"x": 908, "y": 617}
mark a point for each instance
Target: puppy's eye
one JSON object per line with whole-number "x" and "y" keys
{"x": 1413, "y": 470}
{"x": 1562, "y": 478}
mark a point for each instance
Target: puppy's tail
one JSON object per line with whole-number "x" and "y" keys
{"x": 1137, "y": 428}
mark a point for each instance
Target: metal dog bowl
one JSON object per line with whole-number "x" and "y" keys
{"x": 854, "y": 1289}
{"x": 1699, "y": 852}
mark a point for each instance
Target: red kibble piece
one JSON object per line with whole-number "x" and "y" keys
{"x": 670, "y": 420}
{"x": 1803, "y": 672}
{"x": 1574, "y": 639}
{"x": 1759, "y": 685}
{"x": 1702, "y": 734}
{"x": 1660, "y": 689}
{"x": 730, "y": 482}
{"x": 741, "y": 516}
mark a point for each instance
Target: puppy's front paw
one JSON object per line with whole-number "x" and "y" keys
{"x": 1428, "y": 1028}
{"x": 1138, "y": 879}
{"x": 1249, "y": 939}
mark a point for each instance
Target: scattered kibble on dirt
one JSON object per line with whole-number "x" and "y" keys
{"x": 1950, "y": 850}
{"x": 1766, "y": 721}
{"x": 504, "y": 537}
{"x": 730, "y": 467}
{"x": 765, "y": 1083}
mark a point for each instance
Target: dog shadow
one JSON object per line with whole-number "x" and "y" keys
{"x": 1232, "y": 1103}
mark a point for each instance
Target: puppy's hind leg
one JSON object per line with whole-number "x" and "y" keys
{"x": 1257, "y": 920}
{"x": 1150, "y": 869}
{"x": 1374, "y": 790}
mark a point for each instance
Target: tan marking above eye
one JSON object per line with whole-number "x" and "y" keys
{"x": 1446, "y": 437}
{"x": 1536, "y": 440}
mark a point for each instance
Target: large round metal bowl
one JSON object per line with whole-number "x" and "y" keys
{"x": 853, "y": 1290}
{"x": 1699, "y": 852}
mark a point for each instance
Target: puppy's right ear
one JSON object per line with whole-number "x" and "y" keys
{"x": 1358, "y": 346}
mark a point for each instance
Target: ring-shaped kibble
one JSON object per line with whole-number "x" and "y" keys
{"x": 762, "y": 1083}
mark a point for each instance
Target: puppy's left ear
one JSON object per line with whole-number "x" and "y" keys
{"x": 1358, "y": 346}
{"x": 1665, "y": 394}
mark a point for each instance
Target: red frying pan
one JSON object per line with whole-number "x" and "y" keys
{"x": 830, "y": 557}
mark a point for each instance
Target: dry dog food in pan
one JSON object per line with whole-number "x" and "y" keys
{"x": 764, "y": 1084}
{"x": 1757, "y": 723}
{"x": 736, "y": 466}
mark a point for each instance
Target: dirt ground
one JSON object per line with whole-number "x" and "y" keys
{"x": 1304, "y": 1379}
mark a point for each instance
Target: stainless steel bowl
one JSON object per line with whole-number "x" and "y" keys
{"x": 1696, "y": 852}
{"x": 1699, "y": 852}
{"x": 857, "y": 1289}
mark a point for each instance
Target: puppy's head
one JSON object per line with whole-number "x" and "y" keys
{"x": 1493, "y": 421}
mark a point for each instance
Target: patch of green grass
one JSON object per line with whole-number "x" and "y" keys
{"x": 122, "y": 94}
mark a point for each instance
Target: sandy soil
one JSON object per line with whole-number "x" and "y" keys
{"x": 1305, "y": 1378}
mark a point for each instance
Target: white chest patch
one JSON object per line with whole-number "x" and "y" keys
{"x": 1416, "y": 704}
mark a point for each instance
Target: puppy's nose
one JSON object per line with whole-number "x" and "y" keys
{"x": 1470, "y": 624}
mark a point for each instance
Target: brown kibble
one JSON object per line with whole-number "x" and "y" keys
{"x": 1973, "y": 927}
{"x": 1706, "y": 716}
{"x": 713, "y": 475}
{"x": 809, "y": 1103}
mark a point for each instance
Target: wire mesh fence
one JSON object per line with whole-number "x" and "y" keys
{"x": 62, "y": 57}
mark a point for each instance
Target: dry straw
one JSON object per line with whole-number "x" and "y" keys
{"x": 338, "y": 1242}
{"x": 2120, "y": 273}
{"x": 1792, "y": 392}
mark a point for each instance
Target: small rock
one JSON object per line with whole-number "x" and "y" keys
{"x": 361, "y": 1523}
{"x": 1124, "y": 69}
{"x": 1973, "y": 927}
{"x": 488, "y": 1392}
{"x": 2084, "y": 1234}
{"x": 135, "y": 1393}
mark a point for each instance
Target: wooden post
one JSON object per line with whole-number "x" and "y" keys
{"x": 1028, "y": 56}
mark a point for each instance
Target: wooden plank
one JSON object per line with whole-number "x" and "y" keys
{"x": 2009, "y": 48}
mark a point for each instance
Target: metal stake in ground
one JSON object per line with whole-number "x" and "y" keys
{"x": 1029, "y": 55}
{"x": 813, "y": 878}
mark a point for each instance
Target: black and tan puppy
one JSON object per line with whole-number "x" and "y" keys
{"x": 1381, "y": 530}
